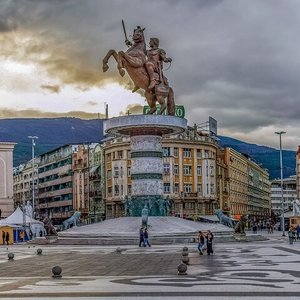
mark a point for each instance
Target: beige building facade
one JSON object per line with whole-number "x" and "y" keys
{"x": 23, "y": 182}
{"x": 189, "y": 176}
{"x": 6, "y": 178}
{"x": 246, "y": 186}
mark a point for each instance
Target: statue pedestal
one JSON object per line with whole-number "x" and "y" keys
{"x": 240, "y": 237}
{"x": 146, "y": 153}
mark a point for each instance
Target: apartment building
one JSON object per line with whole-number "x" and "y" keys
{"x": 259, "y": 203}
{"x": 96, "y": 185}
{"x": 23, "y": 182}
{"x": 289, "y": 189}
{"x": 87, "y": 183}
{"x": 248, "y": 189}
{"x": 55, "y": 188}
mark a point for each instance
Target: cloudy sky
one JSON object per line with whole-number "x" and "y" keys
{"x": 235, "y": 60}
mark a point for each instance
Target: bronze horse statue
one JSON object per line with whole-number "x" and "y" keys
{"x": 133, "y": 61}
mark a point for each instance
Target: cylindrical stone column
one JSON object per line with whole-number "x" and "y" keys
{"x": 146, "y": 166}
{"x": 146, "y": 171}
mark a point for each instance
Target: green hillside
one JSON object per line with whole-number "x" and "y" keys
{"x": 267, "y": 157}
{"x": 56, "y": 132}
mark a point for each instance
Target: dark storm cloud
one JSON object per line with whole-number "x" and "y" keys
{"x": 237, "y": 61}
{"x": 6, "y": 25}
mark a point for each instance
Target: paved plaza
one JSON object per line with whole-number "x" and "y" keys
{"x": 247, "y": 270}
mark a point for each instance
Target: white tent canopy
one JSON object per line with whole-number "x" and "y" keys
{"x": 16, "y": 218}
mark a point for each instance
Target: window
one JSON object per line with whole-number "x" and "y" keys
{"x": 120, "y": 154}
{"x": 166, "y": 168}
{"x": 187, "y": 188}
{"x": 116, "y": 190}
{"x": 176, "y": 152}
{"x": 206, "y": 153}
{"x": 187, "y": 170}
{"x": 199, "y": 153}
{"x": 212, "y": 188}
{"x": 116, "y": 171}
{"x": 109, "y": 191}
{"x": 129, "y": 171}
{"x": 166, "y": 151}
{"x": 176, "y": 188}
{"x": 189, "y": 205}
{"x": 199, "y": 170}
{"x": 176, "y": 169}
{"x": 199, "y": 188}
{"x": 166, "y": 187}
{"x": 187, "y": 152}
{"x": 109, "y": 174}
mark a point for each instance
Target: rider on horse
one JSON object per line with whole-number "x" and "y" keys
{"x": 145, "y": 69}
{"x": 154, "y": 65}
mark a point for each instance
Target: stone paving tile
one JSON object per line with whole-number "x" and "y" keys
{"x": 111, "y": 264}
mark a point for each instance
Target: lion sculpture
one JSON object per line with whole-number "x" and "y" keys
{"x": 73, "y": 220}
{"x": 225, "y": 220}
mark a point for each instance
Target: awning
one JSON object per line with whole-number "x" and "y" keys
{"x": 94, "y": 169}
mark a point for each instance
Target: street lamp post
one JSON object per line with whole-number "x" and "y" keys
{"x": 33, "y": 138}
{"x": 280, "y": 133}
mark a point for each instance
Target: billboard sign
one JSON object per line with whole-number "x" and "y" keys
{"x": 213, "y": 126}
{"x": 179, "y": 110}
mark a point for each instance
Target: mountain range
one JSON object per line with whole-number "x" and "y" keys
{"x": 54, "y": 132}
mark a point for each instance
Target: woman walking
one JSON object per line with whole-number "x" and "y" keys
{"x": 146, "y": 238}
{"x": 209, "y": 239}
{"x": 201, "y": 242}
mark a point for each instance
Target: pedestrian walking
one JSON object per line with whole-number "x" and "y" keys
{"x": 3, "y": 237}
{"x": 261, "y": 226}
{"x": 201, "y": 242}
{"x": 291, "y": 235}
{"x": 298, "y": 231}
{"x": 142, "y": 241}
{"x": 22, "y": 235}
{"x": 209, "y": 244}
{"x": 7, "y": 238}
{"x": 146, "y": 238}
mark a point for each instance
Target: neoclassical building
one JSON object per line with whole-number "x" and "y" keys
{"x": 189, "y": 176}
{"x": 246, "y": 189}
{"x": 6, "y": 178}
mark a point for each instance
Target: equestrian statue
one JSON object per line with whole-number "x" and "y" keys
{"x": 145, "y": 68}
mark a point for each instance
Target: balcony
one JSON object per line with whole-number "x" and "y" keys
{"x": 62, "y": 215}
{"x": 56, "y": 193}
{"x": 54, "y": 204}
{"x": 95, "y": 193}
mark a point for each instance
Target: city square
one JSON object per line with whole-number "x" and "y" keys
{"x": 249, "y": 270}
{"x": 149, "y": 150}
